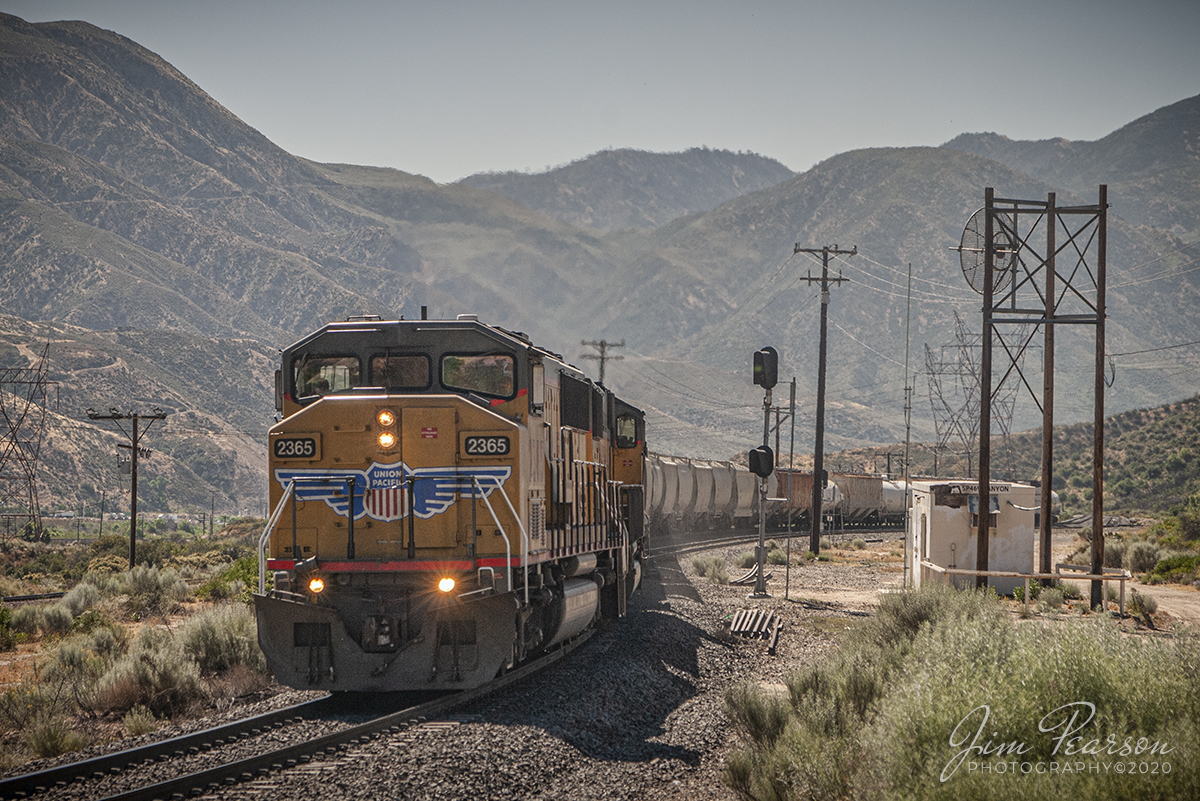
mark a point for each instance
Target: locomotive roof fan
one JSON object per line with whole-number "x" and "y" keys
{"x": 1004, "y": 245}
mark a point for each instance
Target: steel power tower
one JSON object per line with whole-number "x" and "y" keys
{"x": 1029, "y": 277}
{"x": 814, "y": 541}
{"x": 23, "y": 401}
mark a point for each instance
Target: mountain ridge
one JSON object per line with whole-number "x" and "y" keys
{"x": 162, "y": 211}
{"x": 624, "y": 188}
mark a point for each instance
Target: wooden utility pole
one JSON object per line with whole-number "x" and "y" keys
{"x": 135, "y": 450}
{"x": 814, "y": 542}
{"x": 602, "y": 357}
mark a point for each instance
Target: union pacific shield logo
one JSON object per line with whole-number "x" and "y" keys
{"x": 381, "y": 491}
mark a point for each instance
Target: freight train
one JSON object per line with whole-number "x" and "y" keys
{"x": 690, "y": 494}
{"x": 447, "y": 501}
{"x": 696, "y": 494}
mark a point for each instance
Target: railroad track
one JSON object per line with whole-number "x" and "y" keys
{"x": 681, "y": 544}
{"x": 309, "y": 751}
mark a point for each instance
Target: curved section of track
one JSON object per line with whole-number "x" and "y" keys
{"x": 271, "y": 759}
{"x": 30, "y": 784}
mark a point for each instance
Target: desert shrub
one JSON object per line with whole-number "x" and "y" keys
{"x": 154, "y": 673}
{"x": 235, "y": 683}
{"x": 106, "y": 640}
{"x": 777, "y": 556}
{"x": 1068, "y": 589}
{"x": 813, "y": 752}
{"x": 858, "y": 543}
{"x": 1114, "y": 554}
{"x": 81, "y": 597}
{"x": 109, "y": 564}
{"x": 234, "y": 581}
{"x": 94, "y": 619}
{"x": 74, "y": 669}
{"x": 712, "y": 568}
{"x": 151, "y": 590}
{"x": 56, "y": 619}
{"x": 1035, "y": 589}
{"x": 1176, "y": 567}
{"x": 762, "y": 715}
{"x": 26, "y": 619}
{"x": 1143, "y": 556}
{"x": 221, "y": 638}
{"x": 875, "y": 718}
{"x": 107, "y": 584}
{"x": 139, "y": 720}
{"x": 54, "y": 736}
{"x": 1189, "y": 525}
{"x": 156, "y": 552}
{"x": 1052, "y": 598}
{"x": 747, "y": 560}
{"x": 8, "y": 636}
{"x": 826, "y": 543}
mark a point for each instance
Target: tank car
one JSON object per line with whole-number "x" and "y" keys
{"x": 447, "y": 500}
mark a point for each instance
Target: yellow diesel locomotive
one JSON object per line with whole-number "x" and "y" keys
{"x": 447, "y": 499}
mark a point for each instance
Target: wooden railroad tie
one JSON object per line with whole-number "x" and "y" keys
{"x": 756, "y": 624}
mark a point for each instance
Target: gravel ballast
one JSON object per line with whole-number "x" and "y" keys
{"x": 637, "y": 713}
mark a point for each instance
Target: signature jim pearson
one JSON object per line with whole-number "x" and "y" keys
{"x": 1067, "y": 720}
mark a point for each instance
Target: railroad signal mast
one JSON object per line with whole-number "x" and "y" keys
{"x": 762, "y": 460}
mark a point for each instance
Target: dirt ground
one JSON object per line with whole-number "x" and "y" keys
{"x": 1178, "y": 604}
{"x": 879, "y": 567}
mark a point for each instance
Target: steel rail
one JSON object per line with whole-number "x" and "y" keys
{"x": 40, "y": 781}
{"x": 290, "y": 756}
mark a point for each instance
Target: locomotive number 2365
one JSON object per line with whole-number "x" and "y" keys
{"x": 486, "y": 446}
{"x": 296, "y": 448}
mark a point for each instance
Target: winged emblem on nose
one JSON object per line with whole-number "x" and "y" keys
{"x": 381, "y": 491}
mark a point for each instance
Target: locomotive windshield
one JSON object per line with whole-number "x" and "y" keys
{"x": 320, "y": 375}
{"x": 400, "y": 372}
{"x": 487, "y": 374}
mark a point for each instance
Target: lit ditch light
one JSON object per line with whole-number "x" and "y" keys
{"x": 446, "y": 584}
{"x": 387, "y": 438}
{"x": 316, "y": 585}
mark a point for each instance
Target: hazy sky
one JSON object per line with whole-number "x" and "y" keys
{"x": 447, "y": 89}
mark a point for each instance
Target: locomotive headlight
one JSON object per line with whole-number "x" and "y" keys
{"x": 387, "y": 439}
{"x": 446, "y": 584}
{"x": 386, "y": 418}
{"x": 316, "y": 585}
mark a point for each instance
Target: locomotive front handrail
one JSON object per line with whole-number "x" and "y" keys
{"x": 289, "y": 490}
{"x": 262, "y": 540}
{"x": 520, "y": 525}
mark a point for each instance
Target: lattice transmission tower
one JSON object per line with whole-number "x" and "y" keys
{"x": 953, "y": 377}
{"x": 24, "y": 398}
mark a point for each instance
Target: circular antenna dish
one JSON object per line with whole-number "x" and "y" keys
{"x": 1004, "y": 248}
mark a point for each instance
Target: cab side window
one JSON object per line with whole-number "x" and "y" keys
{"x": 488, "y": 374}
{"x": 627, "y": 432}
